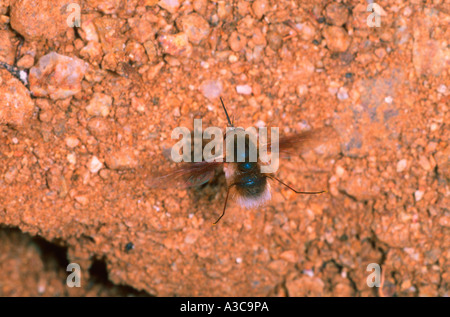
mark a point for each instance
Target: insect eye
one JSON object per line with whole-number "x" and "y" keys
{"x": 246, "y": 166}
{"x": 248, "y": 181}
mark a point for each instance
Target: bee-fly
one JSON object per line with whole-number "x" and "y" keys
{"x": 243, "y": 174}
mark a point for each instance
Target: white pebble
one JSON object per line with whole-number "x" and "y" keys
{"x": 233, "y": 58}
{"x": 340, "y": 171}
{"x": 72, "y": 141}
{"x": 244, "y": 89}
{"x": 94, "y": 165}
{"x": 332, "y": 90}
{"x": 23, "y": 77}
{"x": 260, "y": 124}
{"x": 302, "y": 90}
{"x": 310, "y": 273}
{"x": 418, "y": 195}
{"x": 72, "y": 158}
{"x": 211, "y": 89}
{"x": 342, "y": 93}
{"x": 442, "y": 89}
{"x": 401, "y": 165}
{"x": 388, "y": 99}
{"x": 407, "y": 11}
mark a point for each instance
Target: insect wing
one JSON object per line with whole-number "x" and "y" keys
{"x": 189, "y": 175}
{"x": 296, "y": 144}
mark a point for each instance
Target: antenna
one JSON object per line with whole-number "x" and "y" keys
{"x": 228, "y": 118}
{"x": 296, "y": 191}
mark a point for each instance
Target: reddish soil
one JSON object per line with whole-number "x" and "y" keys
{"x": 79, "y": 142}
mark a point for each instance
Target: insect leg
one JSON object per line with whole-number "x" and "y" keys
{"x": 225, "y": 206}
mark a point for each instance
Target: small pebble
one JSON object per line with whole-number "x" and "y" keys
{"x": 259, "y": 7}
{"x": 82, "y": 199}
{"x": 94, "y": 165}
{"x": 428, "y": 59}
{"x": 195, "y": 27}
{"x": 16, "y": 105}
{"x": 442, "y": 89}
{"x": 424, "y": 162}
{"x": 99, "y": 127}
{"x": 170, "y": 5}
{"x": 342, "y": 93}
{"x": 89, "y": 31}
{"x": 244, "y": 89}
{"x": 401, "y": 165}
{"x": 39, "y": 20}
{"x": 233, "y": 58}
{"x": 27, "y": 61}
{"x": 191, "y": 238}
{"x": 106, "y": 6}
{"x": 237, "y": 41}
{"x": 72, "y": 142}
{"x": 337, "y": 38}
{"x": 302, "y": 90}
{"x": 176, "y": 44}
{"x": 124, "y": 158}
{"x": 211, "y": 89}
{"x": 57, "y": 76}
{"x": 418, "y": 194}
{"x": 307, "y": 31}
{"x": 336, "y": 13}
{"x": 200, "y": 6}
{"x": 260, "y": 124}
{"x": 340, "y": 171}
{"x": 407, "y": 11}
{"x": 99, "y": 105}
{"x": 72, "y": 158}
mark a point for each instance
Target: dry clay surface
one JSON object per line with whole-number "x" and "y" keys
{"x": 81, "y": 139}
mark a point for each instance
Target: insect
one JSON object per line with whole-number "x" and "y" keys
{"x": 243, "y": 174}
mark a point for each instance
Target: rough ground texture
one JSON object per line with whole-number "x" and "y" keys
{"x": 91, "y": 128}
